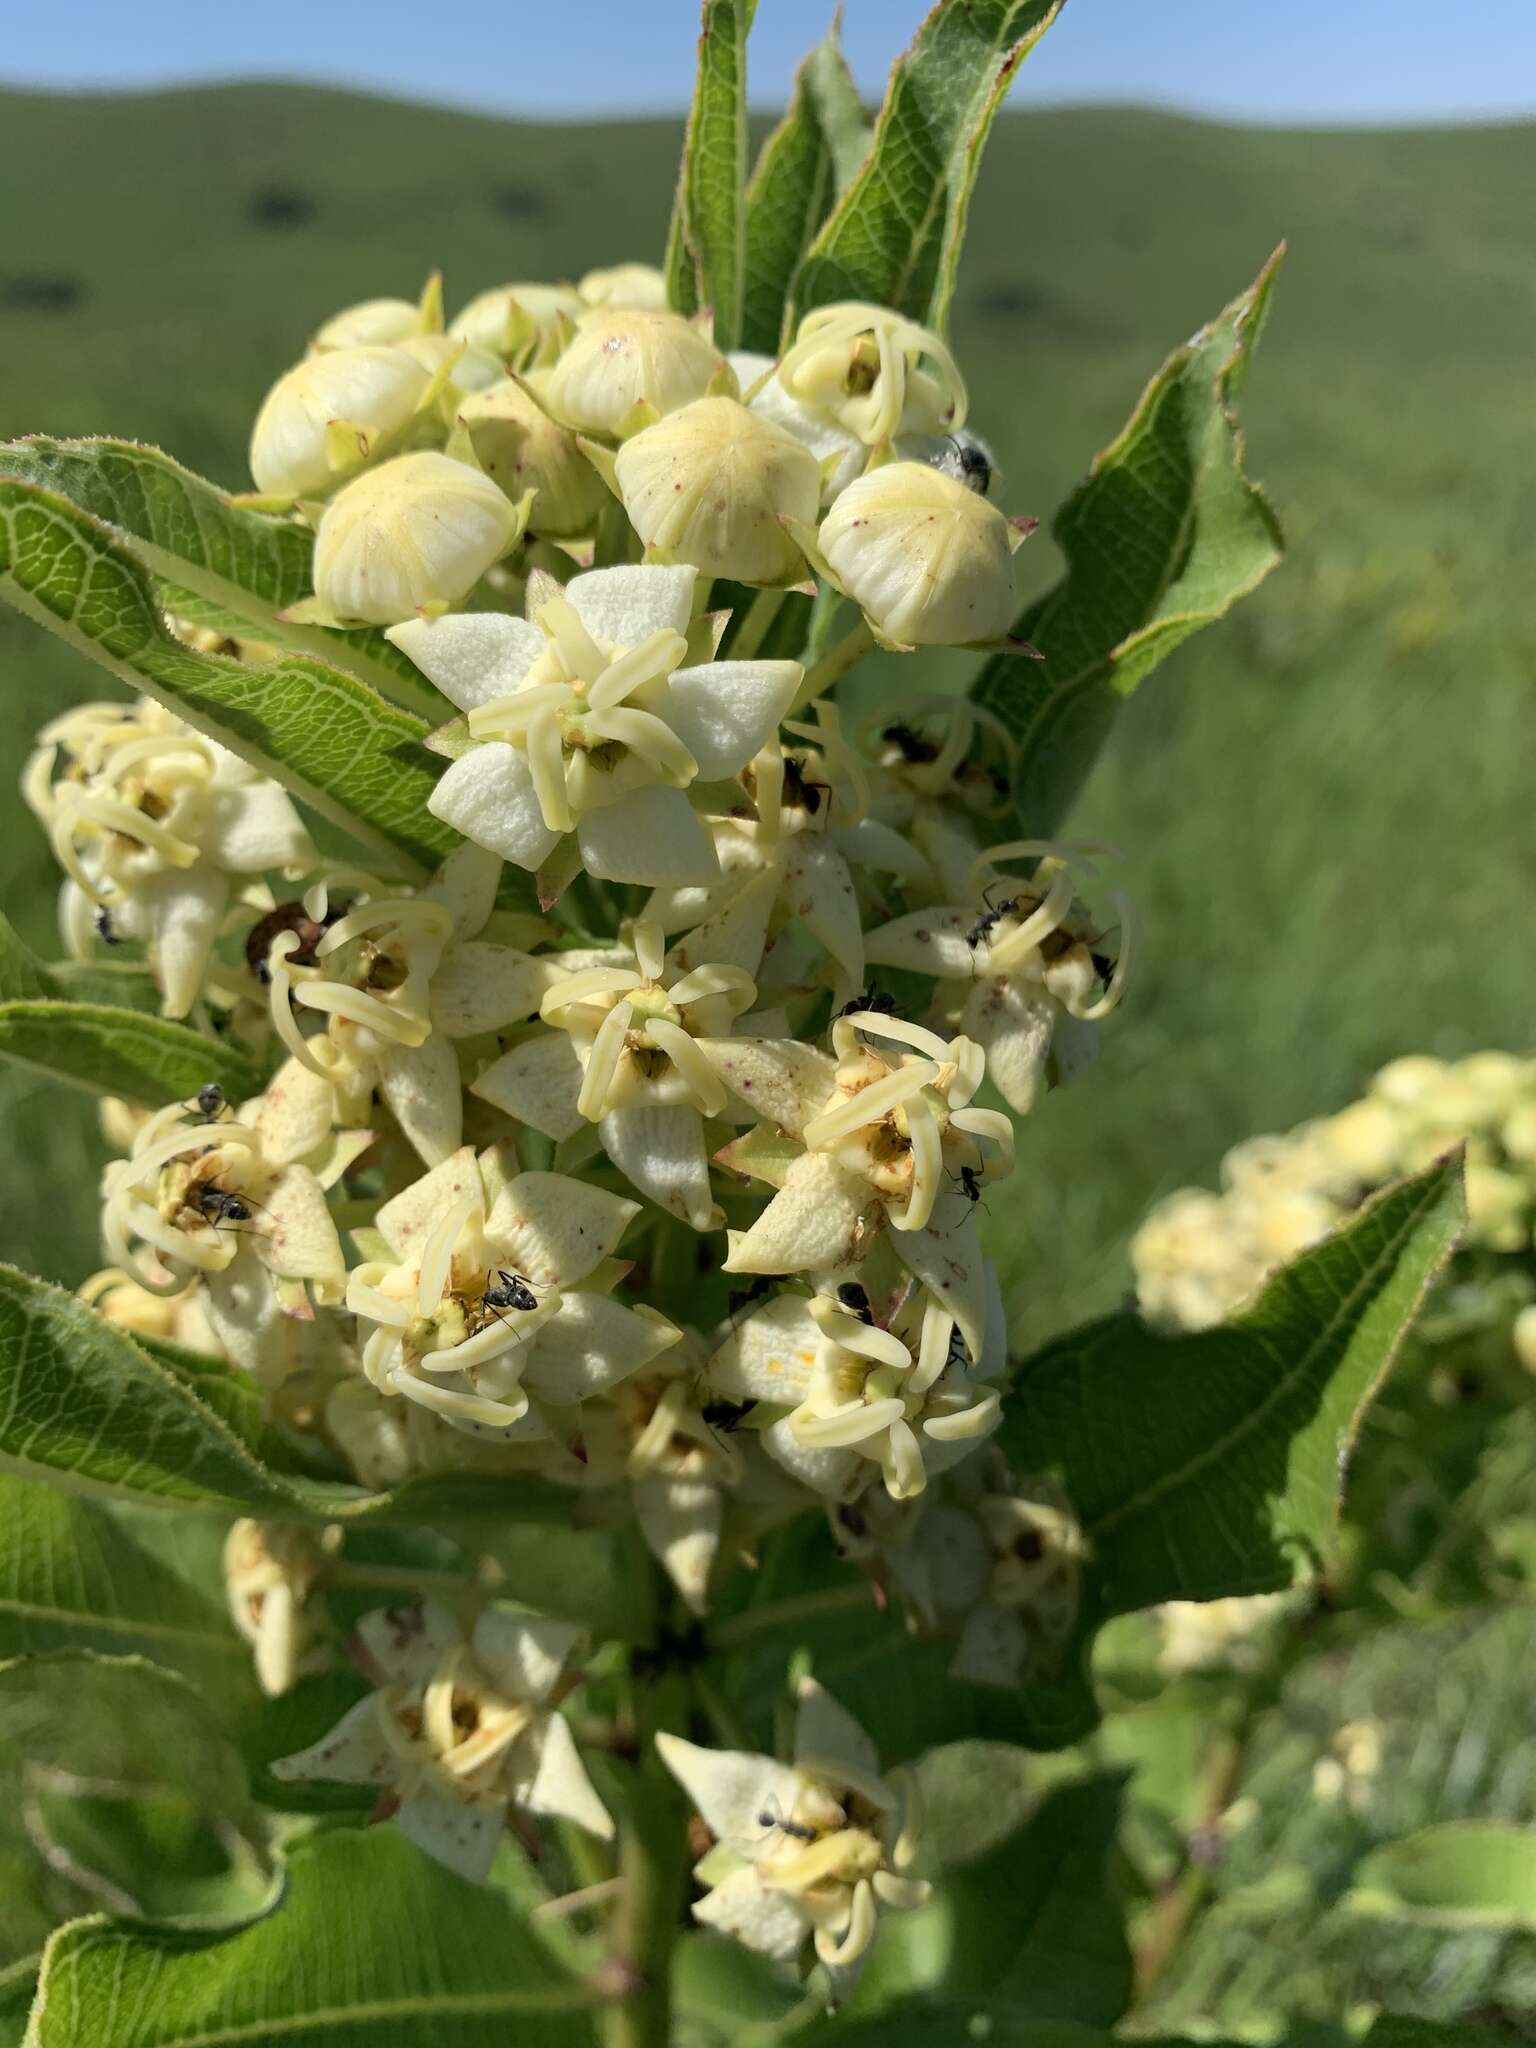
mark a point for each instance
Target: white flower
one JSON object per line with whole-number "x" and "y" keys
{"x": 461, "y": 1730}
{"x": 397, "y": 979}
{"x": 593, "y": 716}
{"x": 270, "y": 1573}
{"x": 861, "y": 365}
{"x": 628, "y": 365}
{"x": 712, "y": 484}
{"x": 414, "y": 535}
{"x": 812, "y": 1848}
{"x": 624, "y": 284}
{"x": 1014, "y": 970}
{"x": 859, "y": 1398}
{"x": 624, "y": 1056}
{"x": 329, "y": 415}
{"x": 476, "y": 1303}
{"x": 150, "y": 823}
{"x": 928, "y": 562}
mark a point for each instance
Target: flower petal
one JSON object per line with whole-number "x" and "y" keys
{"x": 820, "y": 893}
{"x": 724, "y": 711}
{"x": 626, "y": 605}
{"x": 730, "y": 1787}
{"x": 466, "y": 886}
{"x": 949, "y": 1263}
{"x": 462, "y": 1838}
{"x": 253, "y": 828}
{"x": 651, "y": 835}
{"x": 835, "y": 1474}
{"x": 403, "y": 1645}
{"x": 481, "y": 986}
{"x": 406, "y": 1220}
{"x": 182, "y": 910}
{"x": 589, "y": 1345}
{"x": 1014, "y": 1026}
{"x": 354, "y": 1753}
{"x": 680, "y": 1520}
{"x": 524, "y": 1653}
{"x": 735, "y": 932}
{"x": 828, "y": 1733}
{"x": 926, "y": 942}
{"x": 420, "y": 1084}
{"x": 778, "y": 1079}
{"x": 552, "y": 1779}
{"x": 659, "y": 1149}
{"x": 817, "y": 1219}
{"x": 537, "y": 1082}
{"x": 553, "y": 1229}
{"x": 472, "y": 657}
{"x": 769, "y": 1355}
{"x": 488, "y": 795}
{"x": 295, "y": 1235}
{"x": 293, "y": 1117}
{"x": 742, "y": 1906}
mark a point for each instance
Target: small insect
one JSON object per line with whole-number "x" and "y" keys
{"x": 984, "y": 924}
{"x": 725, "y": 1416}
{"x": 970, "y": 1180}
{"x": 510, "y": 1291}
{"x": 287, "y": 917}
{"x": 1103, "y": 967}
{"x": 873, "y": 999}
{"x": 968, "y": 459}
{"x": 106, "y": 931}
{"x": 799, "y": 791}
{"x": 854, "y": 1298}
{"x": 911, "y": 745}
{"x": 211, "y": 1102}
{"x": 218, "y": 1205}
{"x": 774, "y": 1820}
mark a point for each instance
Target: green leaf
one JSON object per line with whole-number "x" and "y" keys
{"x": 22, "y": 975}
{"x": 895, "y": 235}
{"x": 371, "y": 1943}
{"x": 808, "y": 159}
{"x": 1164, "y": 534}
{"x": 950, "y": 2022}
{"x": 240, "y": 567}
{"x": 110, "y": 984}
{"x": 1207, "y": 1465}
{"x": 327, "y": 736}
{"x": 122, "y": 1052}
{"x": 18, "y": 1984}
{"x": 1459, "y": 1873}
{"x": 83, "y": 1405}
{"x": 707, "y": 243}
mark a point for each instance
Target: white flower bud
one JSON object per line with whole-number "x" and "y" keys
{"x": 518, "y": 322}
{"x": 860, "y": 365}
{"x": 468, "y": 368}
{"x": 708, "y": 483}
{"x": 1525, "y": 1337}
{"x": 413, "y": 535}
{"x": 930, "y": 562}
{"x": 325, "y": 416}
{"x": 623, "y": 357}
{"x": 521, "y": 448}
{"x": 625, "y": 284}
{"x": 373, "y": 323}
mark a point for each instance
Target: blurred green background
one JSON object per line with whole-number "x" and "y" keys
{"x": 1324, "y": 804}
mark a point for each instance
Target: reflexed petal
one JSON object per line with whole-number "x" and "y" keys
{"x": 818, "y": 1218}
{"x": 481, "y": 986}
{"x": 293, "y": 1117}
{"x": 1014, "y": 1027}
{"x": 950, "y": 1264}
{"x": 406, "y": 1220}
{"x": 488, "y": 795}
{"x": 829, "y": 1733}
{"x": 772, "y": 1922}
{"x": 926, "y": 942}
{"x": 680, "y": 1520}
{"x": 778, "y": 1079}
{"x": 555, "y": 1230}
{"x": 589, "y": 1345}
{"x": 735, "y": 933}
{"x": 724, "y": 711}
{"x": 295, "y": 1235}
{"x": 551, "y": 1779}
{"x": 769, "y": 1355}
{"x": 524, "y": 1653}
{"x": 254, "y": 828}
{"x": 466, "y": 886}
{"x": 354, "y": 1753}
{"x": 537, "y": 1082}
{"x": 659, "y": 1149}
{"x": 462, "y": 1838}
{"x": 651, "y": 835}
{"x": 730, "y": 1787}
{"x": 993, "y": 1646}
{"x": 626, "y": 605}
{"x": 182, "y": 910}
{"x": 404, "y": 1644}
{"x": 473, "y": 657}
{"x": 819, "y": 891}
{"x": 835, "y": 1474}
{"x": 420, "y": 1084}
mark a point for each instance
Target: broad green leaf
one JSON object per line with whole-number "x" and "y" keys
{"x": 82, "y": 1405}
{"x": 1458, "y": 1873}
{"x": 122, "y": 1052}
{"x": 895, "y": 235}
{"x": 327, "y": 736}
{"x": 1036, "y": 1919}
{"x": 1164, "y": 535}
{"x": 240, "y": 567}
{"x": 943, "y": 2022}
{"x": 707, "y": 244}
{"x": 1206, "y": 1465}
{"x": 807, "y": 160}
{"x": 111, "y": 984}
{"x": 22, "y": 974}
{"x": 18, "y": 1985}
{"x": 370, "y": 1943}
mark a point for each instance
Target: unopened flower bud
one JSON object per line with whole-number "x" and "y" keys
{"x": 708, "y": 483}
{"x": 930, "y": 562}
{"x": 414, "y": 535}
{"x": 625, "y": 284}
{"x": 520, "y": 323}
{"x": 862, "y": 366}
{"x": 468, "y": 368}
{"x": 624, "y": 357}
{"x": 373, "y": 323}
{"x": 326, "y": 416}
{"x": 521, "y": 448}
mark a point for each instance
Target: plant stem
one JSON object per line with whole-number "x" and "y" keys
{"x": 652, "y": 1865}
{"x": 835, "y": 664}
{"x": 752, "y": 631}
{"x": 759, "y": 1621}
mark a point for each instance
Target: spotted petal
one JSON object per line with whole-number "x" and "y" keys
{"x": 296, "y": 1235}
{"x": 481, "y": 986}
{"x": 1013, "y": 1023}
{"x": 354, "y": 1753}
{"x": 554, "y": 1230}
{"x": 589, "y": 1345}
{"x": 537, "y": 1082}
{"x": 820, "y": 1217}
{"x": 769, "y": 1355}
{"x": 926, "y": 942}
{"x": 406, "y": 1220}
{"x": 420, "y": 1084}
{"x": 778, "y": 1079}
{"x": 462, "y": 1838}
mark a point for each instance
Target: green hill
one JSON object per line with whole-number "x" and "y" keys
{"x": 1325, "y": 805}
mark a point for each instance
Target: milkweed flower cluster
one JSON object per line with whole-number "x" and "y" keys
{"x": 600, "y": 1159}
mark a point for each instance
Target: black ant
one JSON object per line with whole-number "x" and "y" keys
{"x": 854, "y": 1298}
{"x": 1103, "y": 967}
{"x": 511, "y": 1291}
{"x": 800, "y": 790}
{"x": 911, "y": 745}
{"x": 969, "y": 461}
{"x": 991, "y": 917}
{"x": 211, "y": 1102}
{"x": 875, "y": 999}
{"x": 773, "y": 1820}
{"x": 106, "y": 931}
{"x": 726, "y": 1416}
{"x": 970, "y": 1180}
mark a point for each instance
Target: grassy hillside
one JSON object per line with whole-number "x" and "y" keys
{"x": 1325, "y": 806}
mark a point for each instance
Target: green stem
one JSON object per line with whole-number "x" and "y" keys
{"x": 761, "y": 1621}
{"x": 835, "y": 664}
{"x": 753, "y": 630}
{"x": 652, "y": 1868}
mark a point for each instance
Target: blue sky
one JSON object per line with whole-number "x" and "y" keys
{"x": 1332, "y": 60}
